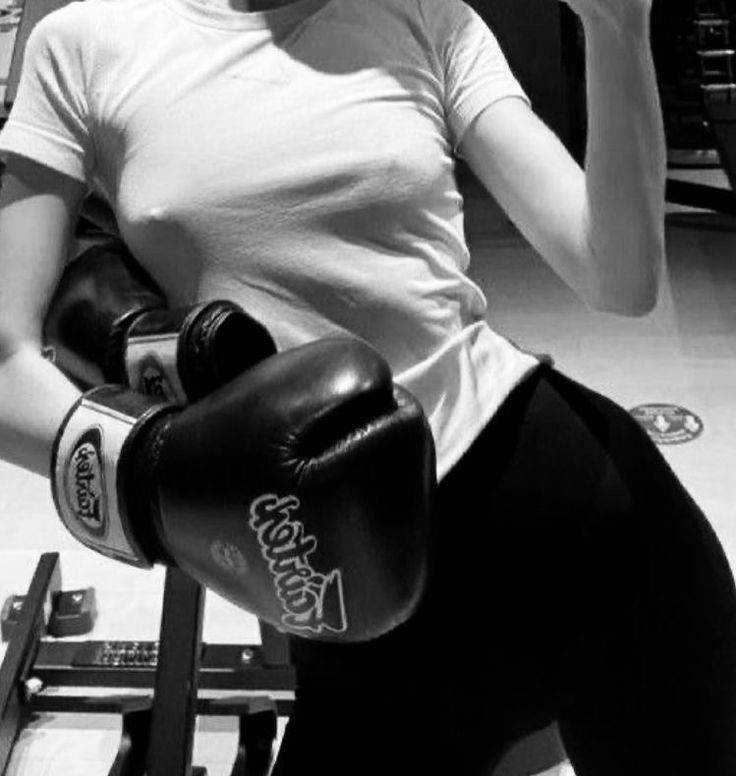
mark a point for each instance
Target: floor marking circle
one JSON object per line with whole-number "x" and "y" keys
{"x": 668, "y": 424}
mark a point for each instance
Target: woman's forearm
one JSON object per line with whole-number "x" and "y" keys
{"x": 34, "y": 398}
{"x": 625, "y": 163}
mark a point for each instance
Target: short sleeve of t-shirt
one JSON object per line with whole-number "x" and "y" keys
{"x": 49, "y": 120}
{"x": 475, "y": 70}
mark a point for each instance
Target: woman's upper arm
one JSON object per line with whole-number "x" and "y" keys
{"x": 38, "y": 213}
{"x": 534, "y": 179}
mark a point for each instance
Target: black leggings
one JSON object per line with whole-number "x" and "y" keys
{"x": 576, "y": 581}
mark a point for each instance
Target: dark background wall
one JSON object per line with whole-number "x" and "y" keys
{"x": 541, "y": 41}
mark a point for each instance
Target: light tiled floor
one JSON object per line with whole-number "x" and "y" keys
{"x": 684, "y": 354}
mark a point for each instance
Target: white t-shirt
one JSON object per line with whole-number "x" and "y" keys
{"x": 297, "y": 161}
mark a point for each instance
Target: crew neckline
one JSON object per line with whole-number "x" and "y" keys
{"x": 206, "y": 15}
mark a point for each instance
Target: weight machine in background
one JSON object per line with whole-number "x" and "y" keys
{"x": 693, "y": 42}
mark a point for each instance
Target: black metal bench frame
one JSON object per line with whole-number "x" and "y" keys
{"x": 157, "y": 724}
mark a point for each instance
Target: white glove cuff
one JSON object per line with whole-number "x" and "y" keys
{"x": 85, "y": 470}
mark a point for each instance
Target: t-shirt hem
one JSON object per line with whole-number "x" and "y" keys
{"x": 452, "y": 458}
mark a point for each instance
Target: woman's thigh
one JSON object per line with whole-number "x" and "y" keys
{"x": 568, "y": 557}
{"x": 659, "y": 694}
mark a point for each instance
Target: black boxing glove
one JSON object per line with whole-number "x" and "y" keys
{"x": 109, "y": 322}
{"x": 301, "y": 490}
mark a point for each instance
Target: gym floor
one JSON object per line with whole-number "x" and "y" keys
{"x": 683, "y": 354}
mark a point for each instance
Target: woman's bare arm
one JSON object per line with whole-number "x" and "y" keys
{"x": 602, "y": 228}
{"x": 38, "y": 212}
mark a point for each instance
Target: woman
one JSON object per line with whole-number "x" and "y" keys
{"x": 297, "y": 157}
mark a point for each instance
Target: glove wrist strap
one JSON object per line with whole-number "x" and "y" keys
{"x": 152, "y": 355}
{"x": 87, "y": 470}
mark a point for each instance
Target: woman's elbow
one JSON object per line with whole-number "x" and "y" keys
{"x": 634, "y": 294}
{"x": 630, "y": 306}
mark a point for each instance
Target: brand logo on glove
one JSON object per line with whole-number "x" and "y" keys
{"x": 312, "y": 601}
{"x": 84, "y": 482}
{"x": 152, "y": 381}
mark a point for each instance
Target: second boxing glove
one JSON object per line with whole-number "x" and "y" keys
{"x": 109, "y": 322}
{"x": 301, "y": 490}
